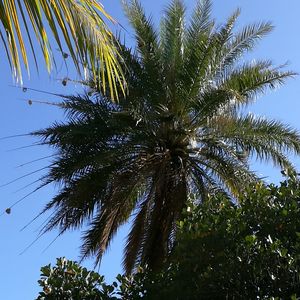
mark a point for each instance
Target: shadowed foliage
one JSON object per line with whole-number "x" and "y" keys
{"x": 226, "y": 251}
{"x": 181, "y": 130}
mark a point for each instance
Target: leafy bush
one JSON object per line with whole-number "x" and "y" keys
{"x": 245, "y": 251}
{"x": 249, "y": 250}
{"x": 68, "y": 280}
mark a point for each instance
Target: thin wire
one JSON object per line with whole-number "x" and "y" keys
{"x": 23, "y": 198}
{"x": 31, "y": 244}
{"x": 26, "y": 196}
{"x": 26, "y": 186}
{"x": 28, "y": 146}
{"x": 36, "y": 90}
{"x": 30, "y": 222}
{"x": 23, "y": 176}
{"x": 13, "y": 136}
{"x": 43, "y": 102}
{"x": 52, "y": 242}
{"x": 41, "y": 227}
{"x": 35, "y": 160}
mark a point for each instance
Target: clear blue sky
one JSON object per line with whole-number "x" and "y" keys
{"x": 19, "y": 273}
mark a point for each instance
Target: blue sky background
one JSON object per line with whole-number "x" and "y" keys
{"x": 19, "y": 273}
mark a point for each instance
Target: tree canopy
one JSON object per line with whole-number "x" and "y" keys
{"x": 222, "y": 251}
{"x": 181, "y": 130}
{"x": 248, "y": 250}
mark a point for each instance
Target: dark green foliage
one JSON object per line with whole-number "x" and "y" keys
{"x": 225, "y": 251}
{"x": 179, "y": 131}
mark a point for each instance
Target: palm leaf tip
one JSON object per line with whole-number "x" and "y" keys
{"x": 77, "y": 24}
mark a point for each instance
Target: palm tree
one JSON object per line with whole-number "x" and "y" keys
{"x": 181, "y": 130}
{"x": 77, "y": 26}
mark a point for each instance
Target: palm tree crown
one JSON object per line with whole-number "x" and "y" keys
{"x": 179, "y": 131}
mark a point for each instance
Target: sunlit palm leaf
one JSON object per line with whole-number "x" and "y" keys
{"x": 78, "y": 28}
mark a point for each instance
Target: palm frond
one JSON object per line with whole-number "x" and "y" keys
{"x": 201, "y": 19}
{"x": 198, "y": 46}
{"x": 267, "y": 139}
{"x": 115, "y": 211}
{"x": 136, "y": 236}
{"x": 205, "y": 62}
{"x": 163, "y": 216}
{"x": 244, "y": 41}
{"x": 79, "y": 25}
{"x": 146, "y": 36}
{"x": 250, "y": 127}
{"x": 171, "y": 40}
{"x": 253, "y": 79}
{"x": 231, "y": 173}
